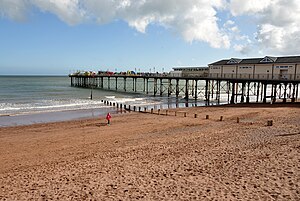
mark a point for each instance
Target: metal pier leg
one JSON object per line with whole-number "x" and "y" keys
{"x": 294, "y": 91}
{"x": 169, "y": 87}
{"x": 147, "y": 86}
{"x": 186, "y": 89}
{"x": 177, "y": 88}
{"x": 161, "y": 87}
{"x": 133, "y": 84}
{"x": 228, "y": 91}
{"x": 262, "y": 92}
{"x": 248, "y": 93}
{"x": 193, "y": 87}
{"x": 265, "y": 93}
{"x": 233, "y": 93}
{"x": 284, "y": 96}
{"x": 217, "y": 91}
{"x": 124, "y": 83}
{"x": 116, "y": 83}
{"x": 155, "y": 86}
{"x": 243, "y": 91}
{"x": 108, "y": 83}
{"x": 135, "y": 81}
{"x": 236, "y": 92}
{"x": 196, "y": 89}
{"x": 274, "y": 93}
{"x": 297, "y": 91}
{"x": 212, "y": 88}
{"x": 280, "y": 92}
{"x": 206, "y": 90}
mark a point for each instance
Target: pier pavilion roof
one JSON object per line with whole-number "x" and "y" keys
{"x": 288, "y": 59}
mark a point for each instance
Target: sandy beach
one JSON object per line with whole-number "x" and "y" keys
{"x": 156, "y": 157}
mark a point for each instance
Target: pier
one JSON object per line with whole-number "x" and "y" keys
{"x": 236, "y": 89}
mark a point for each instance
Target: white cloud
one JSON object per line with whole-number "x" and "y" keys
{"x": 241, "y": 42}
{"x": 239, "y": 7}
{"x": 15, "y": 9}
{"x": 68, "y": 11}
{"x": 278, "y": 23}
{"x": 194, "y": 20}
{"x": 243, "y": 49}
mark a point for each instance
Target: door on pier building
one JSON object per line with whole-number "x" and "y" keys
{"x": 283, "y": 74}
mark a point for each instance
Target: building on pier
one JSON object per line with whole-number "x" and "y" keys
{"x": 267, "y": 68}
{"x": 189, "y": 71}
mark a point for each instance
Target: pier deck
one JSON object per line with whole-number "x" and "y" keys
{"x": 205, "y": 88}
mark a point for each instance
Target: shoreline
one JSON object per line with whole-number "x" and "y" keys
{"x": 86, "y": 114}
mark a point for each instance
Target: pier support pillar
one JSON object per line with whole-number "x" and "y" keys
{"x": 116, "y": 83}
{"x": 285, "y": 94}
{"x": 248, "y": 92}
{"x": 161, "y": 87}
{"x": 257, "y": 92}
{"x": 243, "y": 92}
{"x": 274, "y": 93}
{"x": 155, "y": 86}
{"x": 233, "y": 93}
{"x": 169, "y": 87}
{"x": 293, "y": 93}
{"x": 196, "y": 89}
{"x": 177, "y": 88}
{"x": 147, "y": 85}
{"x": 186, "y": 89}
{"x": 297, "y": 91}
{"x": 265, "y": 92}
{"x": 124, "y": 83}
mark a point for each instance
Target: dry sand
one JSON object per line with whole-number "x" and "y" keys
{"x": 156, "y": 157}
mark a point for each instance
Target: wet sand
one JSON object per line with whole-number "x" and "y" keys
{"x": 156, "y": 157}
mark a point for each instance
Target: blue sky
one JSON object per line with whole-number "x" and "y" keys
{"x": 52, "y": 39}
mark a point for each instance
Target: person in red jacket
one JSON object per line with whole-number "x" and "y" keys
{"x": 108, "y": 117}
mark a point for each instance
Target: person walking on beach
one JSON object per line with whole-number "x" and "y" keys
{"x": 108, "y": 117}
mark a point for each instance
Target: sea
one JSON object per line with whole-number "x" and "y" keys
{"x": 39, "y": 99}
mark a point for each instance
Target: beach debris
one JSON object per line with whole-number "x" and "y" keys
{"x": 270, "y": 123}
{"x": 185, "y": 114}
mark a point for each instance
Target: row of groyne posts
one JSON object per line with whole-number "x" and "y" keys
{"x": 204, "y": 88}
{"x": 129, "y": 108}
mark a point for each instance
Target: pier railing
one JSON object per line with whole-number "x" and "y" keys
{"x": 290, "y": 77}
{"x": 243, "y": 76}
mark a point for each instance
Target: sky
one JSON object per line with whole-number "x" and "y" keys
{"x": 58, "y": 37}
